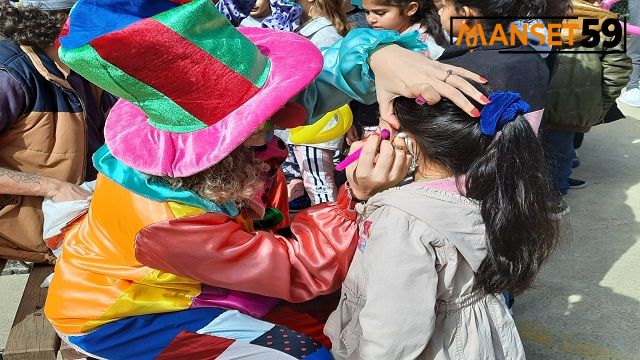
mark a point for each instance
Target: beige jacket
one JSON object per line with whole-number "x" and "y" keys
{"x": 409, "y": 292}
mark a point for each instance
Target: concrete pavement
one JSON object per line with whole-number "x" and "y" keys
{"x": 586, "y": 302}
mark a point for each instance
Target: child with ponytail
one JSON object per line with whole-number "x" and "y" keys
{"x": 434, "y": 255}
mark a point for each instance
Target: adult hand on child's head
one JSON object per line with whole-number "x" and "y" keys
{"x": 380, "y": 166}
{"x": 401, "y": 72}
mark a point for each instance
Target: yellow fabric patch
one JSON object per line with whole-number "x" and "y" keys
{"x": 180, "y": 210}
{"x": 158, "y": 292}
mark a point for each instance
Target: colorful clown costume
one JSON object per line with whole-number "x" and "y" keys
{"x": 158, "y": 272}
{"x": 210, "y": 333}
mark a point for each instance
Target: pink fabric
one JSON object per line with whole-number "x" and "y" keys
{"x": 250, "y": 304}
{"x": 138, "y": 144}
{"x": 447, "y": 185}
{"x": 534, "y": 118}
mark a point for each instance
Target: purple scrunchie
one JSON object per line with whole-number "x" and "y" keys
{"x": 503, "y": 108}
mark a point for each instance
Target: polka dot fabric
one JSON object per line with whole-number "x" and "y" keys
{"x": 288, "y": 341}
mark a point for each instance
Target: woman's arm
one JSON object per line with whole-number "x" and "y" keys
{"x": 352, "y": 64}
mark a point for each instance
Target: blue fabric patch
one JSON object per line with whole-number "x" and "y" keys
{"x": 145, "y": 336}
{"x": 90, "y": 19}
{"x": 141, "y": 184}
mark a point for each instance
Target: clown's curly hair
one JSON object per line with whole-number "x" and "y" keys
{"x": 31, "y": 26}
{"x": 236, "y": 178}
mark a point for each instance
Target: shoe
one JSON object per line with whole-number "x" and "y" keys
{"x": 576, "y": 184}
{"x": 631, "y": 97}
{"x": 558, "y": 209}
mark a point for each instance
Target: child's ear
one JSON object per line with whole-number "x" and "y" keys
{"x": 469, "y": 12}
{"x": 412, "y": 8}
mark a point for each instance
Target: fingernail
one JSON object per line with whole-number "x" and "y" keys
{"x": 485, "y": 99}
{"x": 421, "y": 101}
{"x": 475, "y": 113}
{"x": 483, "y": 80}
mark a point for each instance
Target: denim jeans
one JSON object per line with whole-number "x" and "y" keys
{"x": 559, "y": 153}
{"x": 633, "y": 49}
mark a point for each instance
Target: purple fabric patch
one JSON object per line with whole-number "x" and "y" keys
{"x": 247, "y": 303}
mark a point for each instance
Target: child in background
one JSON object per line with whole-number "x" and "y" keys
{"x": 323, "y": 22}
{"x": 258, "y": 13}
{"x": 434, "y": 255}
{"x": 402, "y": 16}
{"x": 405, "y": 16}
{"x": 274, "y": 14}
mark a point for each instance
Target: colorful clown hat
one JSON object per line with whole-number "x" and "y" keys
{"x": 192, "y": 87}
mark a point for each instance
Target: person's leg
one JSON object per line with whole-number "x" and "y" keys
{"x": 633, "y": 49}
{"x": 208, "y": 333}
{"x": 559, "y": 154}
{"x": 317, "y": 168}
{"x": 631, "y": 96}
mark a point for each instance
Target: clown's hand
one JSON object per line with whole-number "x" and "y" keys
{"x": 401, "y": 72}
{"x": 379, "y": 167}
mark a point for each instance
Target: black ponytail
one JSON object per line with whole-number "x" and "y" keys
{"x": 510, "y": 180}
{"x": 506, "y": 174}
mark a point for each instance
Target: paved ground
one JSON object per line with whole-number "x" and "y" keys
{"x": 586, "y": 303}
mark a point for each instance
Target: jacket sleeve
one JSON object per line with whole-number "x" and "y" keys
{"x": 214, "y": 250}
{"x": 398, "y": 317}
{"x": 616, "y": 71}
{"x": 12, "y": 101}
{"x": 346, "y": 74}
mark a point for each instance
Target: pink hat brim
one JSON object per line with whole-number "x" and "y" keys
{"x": 295, "y": 62}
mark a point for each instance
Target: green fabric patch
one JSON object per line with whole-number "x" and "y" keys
{"x": 88, "y": 63}
{"x": 225, "y": 46}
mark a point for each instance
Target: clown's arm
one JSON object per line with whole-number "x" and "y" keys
{"x": 215, "y": 250}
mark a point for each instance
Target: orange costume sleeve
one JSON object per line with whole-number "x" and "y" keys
{"x": 214, "y": 250}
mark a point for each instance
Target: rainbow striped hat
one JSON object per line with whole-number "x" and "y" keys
{"x": 192, "y": 87}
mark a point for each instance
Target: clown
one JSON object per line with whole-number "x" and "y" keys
{"x": 168, "y": 263}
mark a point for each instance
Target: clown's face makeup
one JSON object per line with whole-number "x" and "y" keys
{"x": 260, "y": 137}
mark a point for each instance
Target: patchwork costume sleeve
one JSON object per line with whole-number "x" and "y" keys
{"x": 346, "y": 74}
{"x": 215, "y": 250}
{"x": 398, "y": 267}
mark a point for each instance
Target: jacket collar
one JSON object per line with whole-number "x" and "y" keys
{"x": 46, "y": 66}
{"x": 313, "y": 26}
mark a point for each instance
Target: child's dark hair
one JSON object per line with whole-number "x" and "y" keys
{"x": 516, "y": 8}
{"x": 427, "y": 16}
{"x": 506, "y": 174}
{"x": 30, "y": 26}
